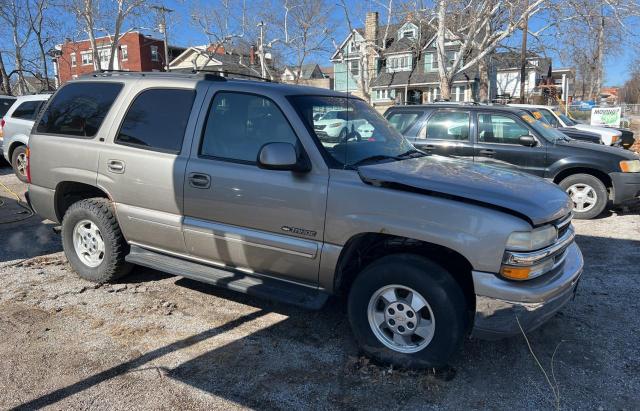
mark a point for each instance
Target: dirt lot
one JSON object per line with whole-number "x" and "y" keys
{"x": 156, "y": 341}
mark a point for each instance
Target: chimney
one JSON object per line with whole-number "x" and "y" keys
{"x": 252, "y": 55}
{"x": 371, "y": 27}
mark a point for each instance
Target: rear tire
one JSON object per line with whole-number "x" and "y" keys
{"x": 588, "y": 193}
{"x": 19, "y": 162}
{"x": 400, "y": 332}
{"x": 93, "y": 242}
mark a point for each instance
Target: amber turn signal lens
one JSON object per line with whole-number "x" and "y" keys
{"x": 515, "y": 273}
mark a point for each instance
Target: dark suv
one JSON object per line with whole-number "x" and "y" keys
{"x": 511, "y": 137}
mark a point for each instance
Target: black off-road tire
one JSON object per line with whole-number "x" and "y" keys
{"x": 599, "y": 188}
{"x": 17, "y": 152}
{"x": 100, "y": 212}
{"x": 435, "y": 284}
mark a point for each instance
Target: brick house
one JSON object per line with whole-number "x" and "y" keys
{"x": 136, "y": 52}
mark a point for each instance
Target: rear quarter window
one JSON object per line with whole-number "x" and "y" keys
{"x": 27, "y": 110}
{"x": 157, "y": 120}
{"x": 403, "y": 120}
{"x": 78, "y": 109}
{"x": 5, "y": 105}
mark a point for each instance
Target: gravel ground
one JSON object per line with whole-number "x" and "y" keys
{"x": 156, "y": 341}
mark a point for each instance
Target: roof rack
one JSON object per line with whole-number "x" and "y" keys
{"x": 221, "y": 73}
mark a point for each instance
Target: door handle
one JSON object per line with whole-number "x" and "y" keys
{"x": 428, "y": 147}
{"x": 488, "y": 153}
{"x": 116, "y": 166}
{"x": 199, "y": 180}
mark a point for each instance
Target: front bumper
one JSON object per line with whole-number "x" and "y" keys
{"x": 533, "y": 302}
{"x": 626, "y": 186}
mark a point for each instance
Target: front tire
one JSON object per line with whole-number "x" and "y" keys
{"x": 588, "y": 193}
{"x": 19, "y": 162}
{"x": 407, "y": 311}
{"x": 93, "y": 242}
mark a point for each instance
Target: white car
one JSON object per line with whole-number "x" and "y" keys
{"x": 16, "y": 126}
{"x": 608, "y": 136}
{"x": 335, "y": 125}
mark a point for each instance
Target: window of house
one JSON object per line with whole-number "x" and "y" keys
{"x": 239, "y": 124}
{"x": 27, "y": 110}
{"x": 500, "y": 129}
{"x": 146, "y": 126}
{"x": 104, "y": 56}
{"x": 354, "y": 47}
{"x": 124, "y": 52}
{"x": 408, "y": 34}
{"x": 435, "y": 93}
{"x": 78, "y": 109}
{"x": 355, "y": 67}
{"x": 431, "y": 62}
{"x": 448, "y": 125}
{"x": 87, "y": 58}
{"x": 74, "y": 61}
{"x": 155, "y": 56}
{"x": 385, "y": 94}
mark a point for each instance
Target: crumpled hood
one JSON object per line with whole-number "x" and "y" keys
{"x": 531, "y": 197}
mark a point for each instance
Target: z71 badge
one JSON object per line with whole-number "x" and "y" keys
{"x": 300, "y": 231}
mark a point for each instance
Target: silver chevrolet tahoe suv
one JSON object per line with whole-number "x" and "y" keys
{"x": 232, "y": 183}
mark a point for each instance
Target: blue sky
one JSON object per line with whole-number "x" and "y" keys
{"x": 184, "y": 32}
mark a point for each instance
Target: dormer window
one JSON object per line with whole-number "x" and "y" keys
{"x": 408, "y": 30}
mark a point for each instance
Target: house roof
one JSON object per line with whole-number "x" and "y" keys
{"x": 511, "y": 61}
{"x": 224, "y": 62}
{"x": 306, "y": 70}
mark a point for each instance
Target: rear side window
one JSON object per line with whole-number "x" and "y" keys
{"x": 5, "y": 105}
{"x": 157, "y": 120}
{"x": 27, "y": 110}
{"x": 78, "y": 109}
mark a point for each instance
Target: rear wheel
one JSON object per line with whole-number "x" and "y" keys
{"x": 588, "y": 193}
{"x": 93, "y": 242}
{"x": 407, "y": 311}
{"x": 19, "y": 162}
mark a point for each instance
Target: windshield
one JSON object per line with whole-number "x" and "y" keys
{"x": 545, "y": 129}
{"x": 566, "y": 120}
{"x": 363, "y": 135}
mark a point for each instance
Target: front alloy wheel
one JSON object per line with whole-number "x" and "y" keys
{"x": 584, "y": 197}
{"x": 401, "y": 318}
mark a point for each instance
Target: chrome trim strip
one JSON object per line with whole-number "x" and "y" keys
{"x": 533, "y": 257}
{"x": 222, "y": 266}
{"x": 253, "y": 238}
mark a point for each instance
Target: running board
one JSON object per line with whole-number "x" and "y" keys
{"x": 263, "y": 287}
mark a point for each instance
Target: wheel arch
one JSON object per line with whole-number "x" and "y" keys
{"x": 600, "y": 175}
{"x": 69, "y": 192}
{"x": 17, "y": 141}
{"x": 362, "y": 249}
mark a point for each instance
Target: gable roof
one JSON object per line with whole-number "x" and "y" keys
{"x": 510, "y": 60}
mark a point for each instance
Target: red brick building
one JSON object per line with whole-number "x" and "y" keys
{"x": 135, "y": 52}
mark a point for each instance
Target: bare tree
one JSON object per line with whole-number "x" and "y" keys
{"x": 6, "y": 83}
{"x": 38, "y": 20}
{"x": 86, "y": 13}
{"x": 14, "y": 15}
{"x": 123, "y": 10}
{"x": 472, "y": 24}
{"x": 304, "y": 29}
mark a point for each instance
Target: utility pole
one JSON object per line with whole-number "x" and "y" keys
{"x": 523, "y": 54}
{"x": 261, "y": 49}
{"x": 162, "y": 11}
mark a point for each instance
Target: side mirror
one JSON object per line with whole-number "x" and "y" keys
{"x": 527, "y": 141}
{"x": 281, "y": 156}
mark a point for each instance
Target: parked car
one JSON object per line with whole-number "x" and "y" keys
{"x": 16, "y": 126}
{"x": 573, "y": 133}
{"x": 335, "y": 125}
{"x": 510, "y": 137}
{"x": 5, "y": 104}
{"x": 425, "y": 248}
{"x": 609, "y": 136}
